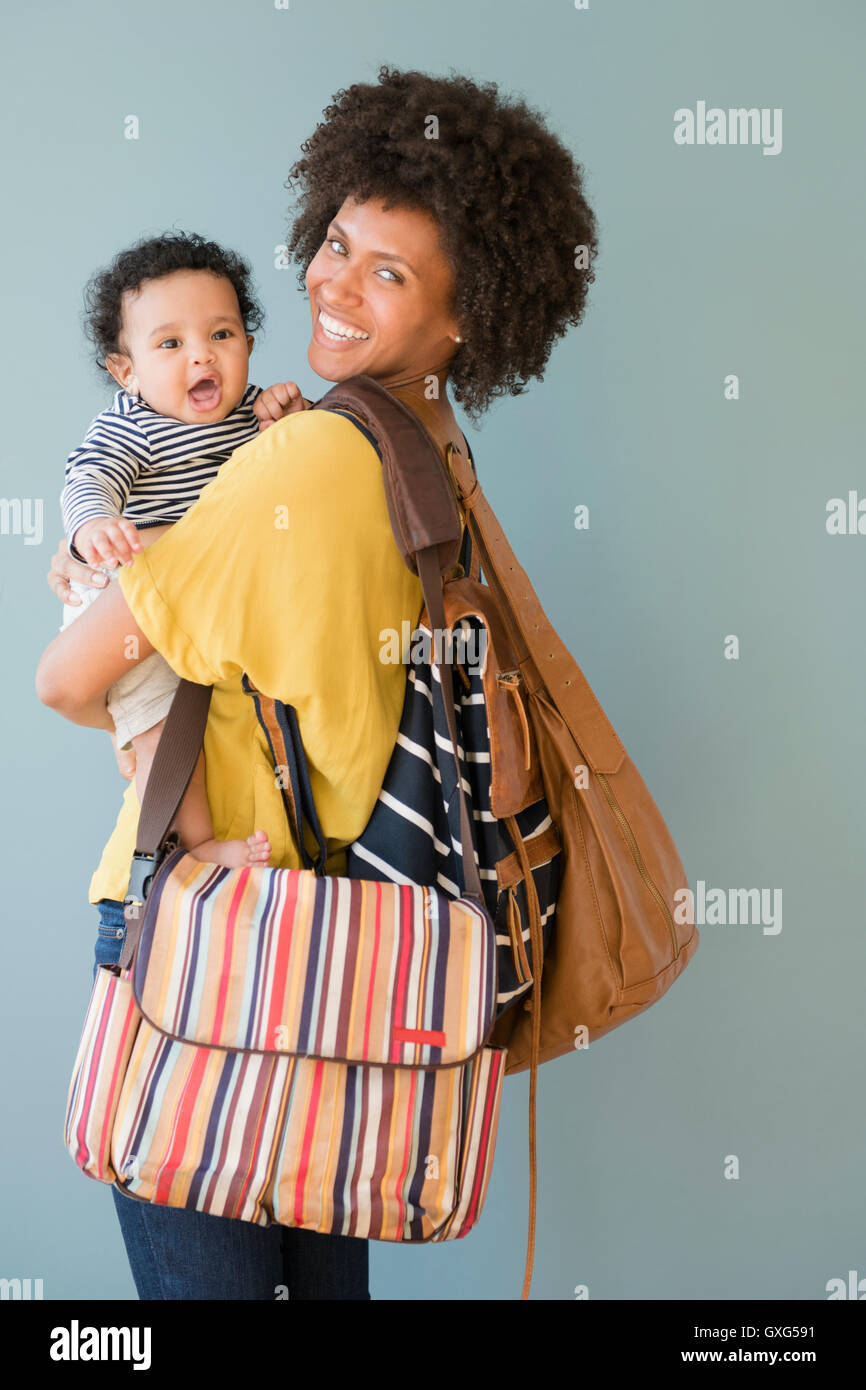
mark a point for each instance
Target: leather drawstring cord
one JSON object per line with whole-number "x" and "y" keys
{"x": 518, "y": 950}
{"x": 533, "y": 1004}
{"x": 509, "y": 680}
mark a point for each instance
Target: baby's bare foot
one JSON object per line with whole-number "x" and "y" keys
{"x": 235, "y": 854}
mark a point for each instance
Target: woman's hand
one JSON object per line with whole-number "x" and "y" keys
{"x": 64, "y": 567}
{"x": 282, "y": 399}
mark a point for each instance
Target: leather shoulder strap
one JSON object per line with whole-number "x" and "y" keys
{"x": 422, "y": 503}
{"x": 541, "y": 654}
{"x": 173, "y": 763}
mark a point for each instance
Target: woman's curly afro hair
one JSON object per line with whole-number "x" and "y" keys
{"x": 507, "y": 196}
{"x": 150, "y": 259}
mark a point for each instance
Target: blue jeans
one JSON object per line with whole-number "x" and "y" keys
{"x": 175, "y": 1253}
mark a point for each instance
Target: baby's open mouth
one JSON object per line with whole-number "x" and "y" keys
{"x": 206, "y": 394}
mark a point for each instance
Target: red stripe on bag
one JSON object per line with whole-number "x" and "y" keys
{"x": 419, "y": 1035}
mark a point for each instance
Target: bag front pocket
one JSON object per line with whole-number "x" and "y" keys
{"x": 197, "y": 1126}
{"x": 385, "y": 1153}
{"x": 389, "y": 1153}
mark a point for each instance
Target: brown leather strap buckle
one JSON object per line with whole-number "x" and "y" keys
{"x": 458, "y": 490}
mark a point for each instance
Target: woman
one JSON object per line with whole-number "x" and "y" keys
{"x": 443, "y": 237}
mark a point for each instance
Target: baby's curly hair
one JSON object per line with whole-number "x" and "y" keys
{"x": 150, "y": 259}
{"x": 508, "y": 197}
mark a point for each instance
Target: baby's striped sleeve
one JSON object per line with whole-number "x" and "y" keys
{"x": 101, "y": 472}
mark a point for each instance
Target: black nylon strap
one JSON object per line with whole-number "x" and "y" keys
{"x": 300, "y": 773}
{"x": 431, "y": 583}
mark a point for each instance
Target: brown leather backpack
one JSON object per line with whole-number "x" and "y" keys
{"x": 616, "y": 945}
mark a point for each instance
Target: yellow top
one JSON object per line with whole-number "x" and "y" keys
{"x": 286, "y": 568}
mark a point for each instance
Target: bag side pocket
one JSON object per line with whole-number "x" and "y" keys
{"x": 110, "y": 1029}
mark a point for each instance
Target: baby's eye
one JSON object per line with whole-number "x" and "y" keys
{"x": 169, "y": 340}
{"x": 226, "y": 331}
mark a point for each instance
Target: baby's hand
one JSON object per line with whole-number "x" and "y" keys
{"x": 107, "y": 540}
{"x": 125, "y": 757}
{"x": 283, "y": 399}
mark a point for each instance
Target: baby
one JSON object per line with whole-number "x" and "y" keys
{"x": 170, "y": 320}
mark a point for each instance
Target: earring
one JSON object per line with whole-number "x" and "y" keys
{"x": 458, "y": 339}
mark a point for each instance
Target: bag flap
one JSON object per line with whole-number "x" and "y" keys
{"x": 285, "y": 961}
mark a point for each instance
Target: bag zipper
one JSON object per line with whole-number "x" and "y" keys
{"x": 614, "y": 805}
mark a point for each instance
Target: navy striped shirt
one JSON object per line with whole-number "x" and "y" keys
{"x": 137, "y": 463}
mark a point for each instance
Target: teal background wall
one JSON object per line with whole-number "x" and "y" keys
{"x": 707, "y": 518}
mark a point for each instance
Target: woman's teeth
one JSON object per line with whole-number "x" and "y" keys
{"x": 332, "y": 328}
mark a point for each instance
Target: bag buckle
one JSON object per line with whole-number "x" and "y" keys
{"x": 450, "y": 449}
{"x": 141, "y": 874}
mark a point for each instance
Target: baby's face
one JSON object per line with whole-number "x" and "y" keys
{"x": 186, "y": 352}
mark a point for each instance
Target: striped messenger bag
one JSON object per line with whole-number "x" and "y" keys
{"x": 287, "y": 1046}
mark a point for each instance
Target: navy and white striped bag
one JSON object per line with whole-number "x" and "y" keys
{"x": 413, "y": 834}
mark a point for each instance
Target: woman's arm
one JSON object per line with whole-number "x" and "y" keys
{"x": 92, "y": 713}
{"x": 78, "y": 666}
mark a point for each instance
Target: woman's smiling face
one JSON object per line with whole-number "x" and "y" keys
{"x": 380, "y": 289}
